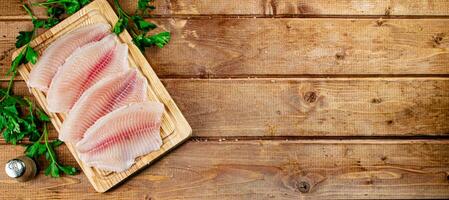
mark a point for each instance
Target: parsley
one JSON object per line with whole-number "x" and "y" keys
{"x": 47, "y": 148}
{"x": 140, "y": 27}
{"x": 69, "y": 6}
{"x": 19, "y": 117}
{"x": 159, "y": 40}
{"x": 23, "y": 38}
{"x": 143, "y": 6}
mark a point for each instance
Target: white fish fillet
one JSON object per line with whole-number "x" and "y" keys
{"x": 117, "y": 139}
{"x": 85, "y": 67}
{"x": 102, "y": 98}
{"x": 56, "y": 54}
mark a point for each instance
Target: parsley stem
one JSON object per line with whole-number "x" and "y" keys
{"x": 11, "y": 82}
{"x": 133, "y": 32}
{"x": 28, "y": 10}
{"x": 42, "y": 136}
{"x": 120, "y": 10}
{"x": 13, "y": 76}
{"x": 51, "y": 2}
{"x": 45, "y": 132}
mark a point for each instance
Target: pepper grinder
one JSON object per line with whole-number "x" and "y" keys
{"x": 21, "y": 168}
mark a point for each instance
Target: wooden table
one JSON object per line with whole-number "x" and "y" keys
{"x": 287, "y": 99}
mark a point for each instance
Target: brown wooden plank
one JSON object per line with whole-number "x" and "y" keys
{"x": 367, "y": 169}
{"x": 254, "y": 47}
{"x": 314, "y": 107}
{"x": 311, "y": 107}
{"x": 12, "y": 9}
{"x": 288, "y": 47}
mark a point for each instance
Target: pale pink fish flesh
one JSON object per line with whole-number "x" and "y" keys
{"x": 117, "y": 139}
{"x": 56, "y": 54}
{"x": 84, "y": 68}
{"x": 102, "y": 98}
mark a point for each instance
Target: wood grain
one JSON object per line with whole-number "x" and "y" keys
{"x": 314, "y": 107}
{"x": 171, "y": 8}
{"x": 239, "y": 39}
{"x": 358, "y": 169}
{"x": 289, "y": 47}
{"x": 311, "y": 107}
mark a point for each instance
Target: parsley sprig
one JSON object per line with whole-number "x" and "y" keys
{"x": 19, "y": 117}
{"x": 138, "y": 27}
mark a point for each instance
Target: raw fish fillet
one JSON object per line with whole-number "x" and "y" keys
{"x": 56, "y": 54}
{"x": 102, "y": 98}
{"x": 119, "y": 137}
{"x": 84, "y": 68}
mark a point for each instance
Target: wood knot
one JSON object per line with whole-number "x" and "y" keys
{"x": 310, "y": 97}
{"x": 340, "y": 56}
{"x": 376, "y": 100}
{"x": 387, "y": 11}
{"x": 437, "y": 38}
{"x": 303, "y": 186}
{"x": 380, "y": 22}
{"x": 147, "y": 197}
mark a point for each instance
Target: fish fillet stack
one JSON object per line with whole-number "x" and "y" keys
{"x": 110, "y": 120}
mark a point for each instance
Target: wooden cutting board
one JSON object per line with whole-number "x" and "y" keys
{"x": 175, "y": 129}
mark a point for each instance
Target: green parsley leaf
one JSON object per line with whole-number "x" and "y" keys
{"x": 143, "y": 25}
{"x": 159, "y": 39}
{"x": 31, "y": 55}
{"x": 2, "y": 122}
{"x": 55, "y": 11}
{"x": 71, "y": 6}
{"x": 38, "y": 23}
{"x": 52, "y": 170}
{"x": 50, "y": 22}
{"x": 35, "y": 150}
{"x": 84, "y": 2}
{"x": 23, "y": 38}
{"x": 138, "y": 41}
{"x": 41, "y": 115}
{"x": 56, "y": 143}
{"x": 69, "y": 170}
{"x": 121, "y": 24}
{"x": 20, "y": 59}
{"x": 142, "y": 5}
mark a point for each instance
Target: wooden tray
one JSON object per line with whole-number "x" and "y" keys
{"x": 175, "y": 128}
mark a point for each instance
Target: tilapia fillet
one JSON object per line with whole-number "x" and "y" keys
{"x": 105, "y": 96}
{"x": 85, "y": 67}
{"x": 56, "y": 54}
{"x": 117, "y": 139}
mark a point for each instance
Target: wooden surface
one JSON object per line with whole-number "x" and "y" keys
{"x": 348, "y": 97}
{"x": 358, "y": 169}
{"x": 174, "y": 127}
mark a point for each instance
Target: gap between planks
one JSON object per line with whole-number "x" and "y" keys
{"x": 305, "y": 76}
{"x": 305, "y": 139}
{"x": 262, "y": 16}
